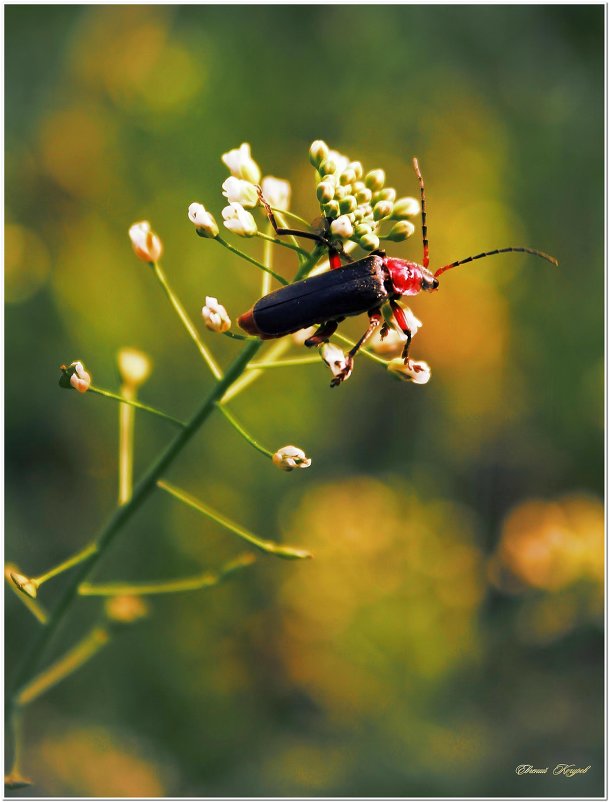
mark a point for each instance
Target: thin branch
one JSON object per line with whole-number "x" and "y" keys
{"x": 136, "y": 405}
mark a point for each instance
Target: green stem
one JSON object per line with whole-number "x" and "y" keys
{"x": 136, "y": 404}
{"x": 77, "y": 558}
{"x": 249, "y": 377}
{"x": 285, "y": 363}
{"x": 188, "y": 324}
{"x": 292, "y": 215}
{"x": 204, "y": 580}
{"x": 234, "y": 336}
{"x": 246, "y": 436}
{"x": 364, "y": 351}
{"x": 126, "y": 420}
{"x": 66, "y": 665}
{"x": 253, "y": 261}
{"x": 314, "y": 257}
{"x": 277, "y": 241}
{"x": 267, "y": 546}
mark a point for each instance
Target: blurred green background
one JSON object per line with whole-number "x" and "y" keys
{"x": 450, "y": 625}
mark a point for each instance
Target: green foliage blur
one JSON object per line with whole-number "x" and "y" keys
{"x": 450, "y": 625}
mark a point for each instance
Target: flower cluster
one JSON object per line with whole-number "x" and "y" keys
{"x": 358, "y": 202}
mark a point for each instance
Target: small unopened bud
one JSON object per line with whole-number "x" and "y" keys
{"x": 357, "y": 169}
{"x": 203, "y": 220}
{"x": 318, "y": 152}
{"x": 387, "y": 194}
{"x": 400, "y": 231}
{"x": 288, "y": 458}
{"x": 340, "y": 160}
{"x": 126, "y": 609}
{"x": 363, "y": 196}
{"x": 327, "y": 166}
{"x": 75, "y": 377}
{"x": 16, "y": 780}
{"x": 410, "y": 371}
{"x": 383, "y": 209}
{"x": 25, "y": 584}
{"x": 342, "y": 227}
{"x": 375, "y": 180}
{"x": 347, "y": 205}
{"x": 341, "y": 192}
{"x": 146, "y": 244}
{"x": 236, "y": 190}
{"x": 369, "y": 242}
{"x": 277, "y": 192}
{"x": 239, "y": 161}
{"x": 347, "y": 176}
{"x": 134, "y": 366}
{"x": 325, "y": 191}
{"x": 406, "y": 207}
{"x": 334, "y": 357}
{"x": 215, "y": 315}
{"x": 239, "y": 221}
{"x": 331, "y": 209}
{"x": 362, "y": 230}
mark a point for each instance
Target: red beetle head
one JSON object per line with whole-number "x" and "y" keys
{"x": 409, "y": 278}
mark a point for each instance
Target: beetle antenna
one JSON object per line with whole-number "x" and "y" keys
{"x": 415, "y": 163}
{"x": 543, "y": 255}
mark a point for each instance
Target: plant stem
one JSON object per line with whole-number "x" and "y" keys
{"x": 314, "y": 257}
{"x": 277, "y": 241}
{"x": 268, "y": 261}
{"x": 77, "y": 558}
{"x": 249, "y": 377}
{"x": 126, "y": 419}
{"x": 292, "y": 215}
{"x": 253, "y": 261}
{"x": 267, "y": 546}
{"x": 188, "y": 324}
{"x": 285, "y": 363}
{"x": 364, "y": 351}
{"x": 204, "y": 580}
{"x": 246, "y": 436}
{"x": 136, "y": 404}
{"x": 234, "y": 336}
{"x": 33, "y": 605}
{"x": 66, "y": 665}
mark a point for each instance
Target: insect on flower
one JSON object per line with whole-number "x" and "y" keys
{"x": 352, "y": 289}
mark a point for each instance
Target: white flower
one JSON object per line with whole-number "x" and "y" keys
{"x": 79, "y": 379}
{"x": 334, "y": 357}
{"x": 411, "y": 371}
{"x": 236, "y": 190}
{"x": 391, "y": 345}
{"x": 299, "y": 337}
{"x": 146, "y": 244}
{"x": 203, "y": 220}
{"x": 342, "y": 227}
{"x": 134, "y": 366}
{"x": 413, "y": 323}
{"x": 215, "y": 315}
{"x": 237, "y": 220}
{"x": 288, "y": 458}
{"x": 277, "y": 192}
{"x": 239, "y": 161}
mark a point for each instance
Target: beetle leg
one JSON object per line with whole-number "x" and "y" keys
{"x": 323, "y": 333}
{"x": 375, "y": 322}
{"x": 286, "y": 231}
{"x": 400, "y": 319}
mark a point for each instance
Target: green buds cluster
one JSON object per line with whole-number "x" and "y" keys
{"x": 358, "y": 202}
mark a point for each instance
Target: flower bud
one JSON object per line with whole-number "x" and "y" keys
{"x": 16, "y": 780}
{"x": 341, "y": 192}
{"x": 25, "y": 584}
{"x": 325, "y": 192}
{"x": 239, "y": 221}
{"x": 340, "y": 160}
{"x": 288, "y": 458}
{"x": 347, "y": 176}
{"x": 363, "y": 196}
{"x": 236, "y": 190}
{"x": 384, "y": 194}
{"x": 375, "y": 180}
{"x": 126, "y": 609}
{"x": 239, "y": 161}
{"x": 203, "y": 220}
{"x": 347, "y": 205}
{"x": 146, "y": 244}
{"x": 342, "y": 227}
{"x": 75, "y": 377}
{"x": 383, "y": 209}
{"x": 406, "y": 207}
{"x": 369, "y": 242}
{"x": 327, "y": 166}
{"x": 411, "y": 371}
{"x": 357, "y": 169}
{"x": 277, "y": 192}
{"x": 400, "y": 231}
{"x": 215, "y": 315}
{"x": 334, "y": 357}
{"x": 362, "y": 230}
{"x": 134, "y": 366}
{"x": 331, "y": 209}
{"x": 318, "y": 152}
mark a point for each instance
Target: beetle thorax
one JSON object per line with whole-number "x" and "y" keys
{"x": 408, "y": 278}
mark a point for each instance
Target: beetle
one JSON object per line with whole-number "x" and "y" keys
{"x": 352, "y": 289}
